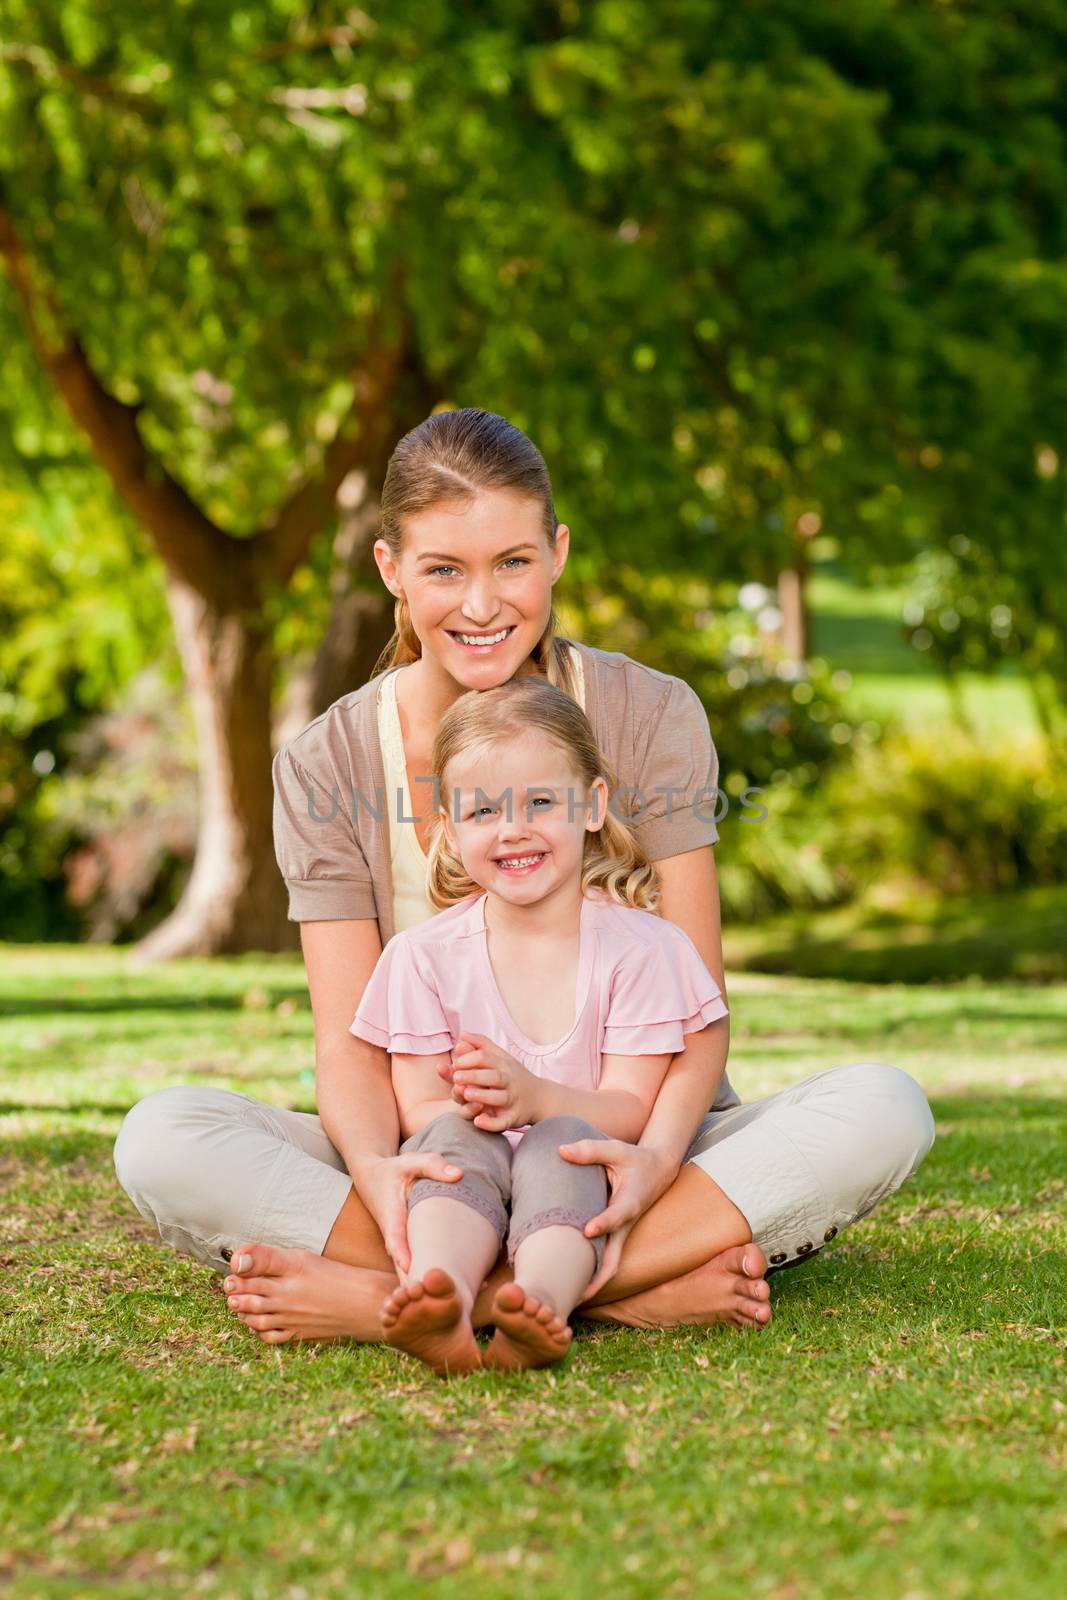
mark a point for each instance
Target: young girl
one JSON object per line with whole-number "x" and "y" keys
{"x": 542, "y": 1006}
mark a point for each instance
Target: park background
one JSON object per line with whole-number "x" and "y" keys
{"x": 780, "y": 292}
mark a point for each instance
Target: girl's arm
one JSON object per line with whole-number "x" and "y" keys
{"x": 418, "y": 1090}
{"x": 498, "y": 1092}
{"x": 689, "y": 898}
{"x": 621, "y": 1103}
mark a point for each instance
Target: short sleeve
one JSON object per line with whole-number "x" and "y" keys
{"x": 320, "y": 857}
{"x": 659, "y": 993}
{"x": 400, "y": 1008}
{"x": 676, "y": 771}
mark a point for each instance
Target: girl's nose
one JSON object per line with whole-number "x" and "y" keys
{"x": 515, "y": 827}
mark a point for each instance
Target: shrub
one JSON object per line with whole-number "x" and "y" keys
{"x": 962, "y": 816}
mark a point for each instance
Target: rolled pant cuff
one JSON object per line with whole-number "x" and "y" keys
{"x": 773, "y": 1186}
{"x": 557, "y": 1217}
{"x": 299, "y": 1204}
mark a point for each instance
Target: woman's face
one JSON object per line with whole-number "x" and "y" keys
{"x": 480, "y": 572}
{"x": 517, "y": 813}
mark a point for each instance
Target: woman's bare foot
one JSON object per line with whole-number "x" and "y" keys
{"x": 295, "y": 1294}
{"x": 729, "y": 1288}
{"x": 529, "y": 1333}
{"x": 428, "y": 1320}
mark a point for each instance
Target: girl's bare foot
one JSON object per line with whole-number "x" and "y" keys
{"x": 529, "y": 1333}
{"x": 729, "y": 1288}
{"x": 296, "y": 1294}
{"x": 428, "y": 1319}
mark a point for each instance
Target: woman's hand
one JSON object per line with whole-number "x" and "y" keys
{"x": 493, "y": 1089}
{"x": 383, "y": 1182}
{"x": 637, "y": 1175}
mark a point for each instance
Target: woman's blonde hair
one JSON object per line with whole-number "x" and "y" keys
{"x": 613, "y": 859}
{"x": 446, "y": 460}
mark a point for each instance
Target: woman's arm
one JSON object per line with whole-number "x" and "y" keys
{"x": 357, "y": 1107}
{"x": 690, "y": 899}
{"x": 352, "y": 1081}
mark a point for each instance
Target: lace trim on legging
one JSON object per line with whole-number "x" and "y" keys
{"x": 469, "y": 1194}
{"x": 557, "y": 1217}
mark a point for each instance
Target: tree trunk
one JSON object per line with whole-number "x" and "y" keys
{"x": 793, "y": 604}
{"x": 360, "y": 622}
{"x": 235, "y": 899}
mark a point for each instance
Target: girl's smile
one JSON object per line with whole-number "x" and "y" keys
{"x": 517, "y": 815}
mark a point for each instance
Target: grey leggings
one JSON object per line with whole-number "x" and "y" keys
{"x": 544, "y": 1190}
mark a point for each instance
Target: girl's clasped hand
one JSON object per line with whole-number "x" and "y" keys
{"x": 491, "y": 1088}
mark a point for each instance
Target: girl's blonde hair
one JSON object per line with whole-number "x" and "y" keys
{"x": 613, "y": 859}
{"x": 446, "y": 460}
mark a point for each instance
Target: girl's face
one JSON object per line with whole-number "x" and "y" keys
{"x": 483, "y": 572}
{"x": 537, "y": 850}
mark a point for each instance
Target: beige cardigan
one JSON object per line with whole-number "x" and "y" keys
{"x": 329, "y": 782}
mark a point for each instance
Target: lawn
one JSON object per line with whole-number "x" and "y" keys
{"x": 860, "y": 630}
{"x": 894, "y": 1433}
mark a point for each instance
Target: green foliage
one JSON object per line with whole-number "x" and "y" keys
{"x": 771, "y": 721}
{"x": 81, "y": 612}
{"x": 729, "y": 265}
{"x": 958, "y": 814}
{"x": 744, "y": 273}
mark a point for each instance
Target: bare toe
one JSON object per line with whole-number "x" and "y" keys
{"x": 529, "y": 1332}
{"x": 257, "y": 1260}
{"x": 432, "y": 1324}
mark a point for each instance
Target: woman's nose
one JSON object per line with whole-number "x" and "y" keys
{"x": 480, "y": 605}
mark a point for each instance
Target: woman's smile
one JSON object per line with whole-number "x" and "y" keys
{"x": 481, "y": 643}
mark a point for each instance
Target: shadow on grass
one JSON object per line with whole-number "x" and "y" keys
{"x": 89, "y": 1005}
{"x": 1018, "y": 937}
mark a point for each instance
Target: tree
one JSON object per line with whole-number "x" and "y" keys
{"x": 731, "y": 267}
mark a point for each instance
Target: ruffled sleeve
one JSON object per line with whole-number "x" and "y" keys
{"x": 400, "y": 1008}
{"x": 660, "y": 991}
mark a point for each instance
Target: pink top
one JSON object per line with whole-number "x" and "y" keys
{"x": 641, "y": 987}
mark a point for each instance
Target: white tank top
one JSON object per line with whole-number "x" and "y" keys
{"x": 410, "y": 902}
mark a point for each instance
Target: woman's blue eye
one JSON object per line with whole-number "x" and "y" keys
{"x": 522, "y": 561}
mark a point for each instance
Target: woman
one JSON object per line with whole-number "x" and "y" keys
{"x": 470, "y": 548}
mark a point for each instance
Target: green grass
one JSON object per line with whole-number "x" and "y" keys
{"x": 894, "y": 1433}
{"x": 860, "y": 630}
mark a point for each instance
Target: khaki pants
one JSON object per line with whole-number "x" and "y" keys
{"x": 212, "y": 1169}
